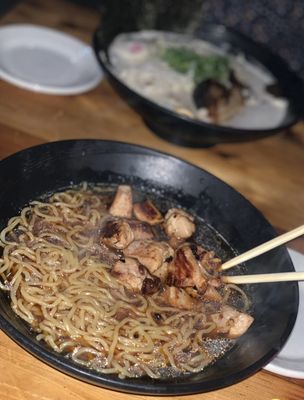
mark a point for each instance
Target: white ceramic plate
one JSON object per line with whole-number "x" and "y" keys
{"x": 47, "y": 61}
{"x": 290, "y": 361}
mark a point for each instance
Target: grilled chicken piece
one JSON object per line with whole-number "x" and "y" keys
{"x": 212, "y": 294}
{"x": 175, "y": 243}
{"x": 117, "y": 234}
{"x": 149, "y": 253}
{"x": 208, "y": 260}
{"x": 147, "y": 212}
{"x": 122, "y": 204}
{"x": 135, "y": 276}
{"x": 162, "y": 271}
{"x": 185, "y": 270}
{"x": 178, "y": 298}
{"x": 120, "y": 233}
{"x": 129, "y": 273}
{"x": 141, "y": 230}
{"x": 179, "y": 224}
{"x": 231, "y": 322}
{"x": 215, "y": 282}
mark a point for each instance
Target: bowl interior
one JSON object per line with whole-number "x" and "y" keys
{"x": 232, "y": 225}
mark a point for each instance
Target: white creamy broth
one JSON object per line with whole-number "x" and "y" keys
{"x": 137, "y": 59}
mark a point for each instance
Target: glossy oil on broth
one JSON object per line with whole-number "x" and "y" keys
{"x": 106, "y": 289}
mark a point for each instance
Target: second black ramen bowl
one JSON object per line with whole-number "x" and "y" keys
{"x": 232, "y": 224}
{"x": 187, "y": 131}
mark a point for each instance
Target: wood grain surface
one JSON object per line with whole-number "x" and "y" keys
{"x": 269, "y": 173}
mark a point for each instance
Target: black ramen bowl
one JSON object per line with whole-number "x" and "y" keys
{"x": 232, "y": 225}
{"x": 186, "y": 131}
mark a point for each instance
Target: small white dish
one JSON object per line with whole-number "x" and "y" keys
{"x": 290, "y": 360}
{"x": 46, "y": 61}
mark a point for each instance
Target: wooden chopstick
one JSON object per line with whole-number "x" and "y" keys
{"x": 263, "y": 278}
{"x": 263, "y": 248}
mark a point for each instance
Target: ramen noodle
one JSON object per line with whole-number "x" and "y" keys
{"x": 92, "y": 294}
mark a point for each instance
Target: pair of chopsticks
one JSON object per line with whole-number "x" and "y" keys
{"x": 263, "y": 248}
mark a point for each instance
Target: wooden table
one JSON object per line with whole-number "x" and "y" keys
{"x": 270, "y": 173}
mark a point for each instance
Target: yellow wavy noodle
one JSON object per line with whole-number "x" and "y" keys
{"x": 73, "y": 303}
